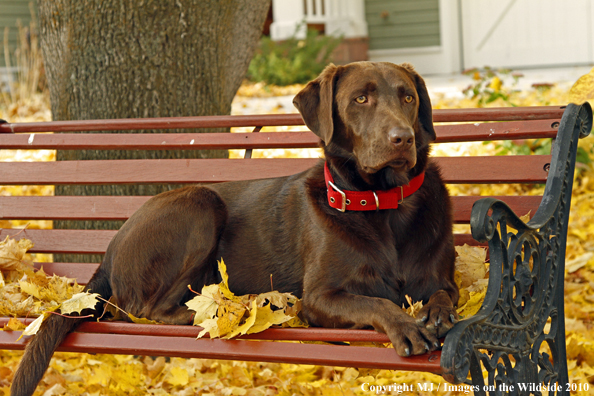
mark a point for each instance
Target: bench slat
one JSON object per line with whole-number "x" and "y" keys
{"x": 502, "y": 169}
{"x": 215, "y": 141}
{"x": 64, "y": 241}
{"x": 189, "y": 347}
{"x": 82, "y": 272}
{"x": 161, "y": 141}
{"x": 497, "y": 131}
{"x": 122, "y": 207}
{"x": 273, "y": 333}
{"x": 96, "y": 241}
{"x": 439, "y": 115}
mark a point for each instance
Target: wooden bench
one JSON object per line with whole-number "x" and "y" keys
{"x": 526, "y": 264}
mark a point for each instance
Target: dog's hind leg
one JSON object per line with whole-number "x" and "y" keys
{"x": 198, "y": 271}
{"x": 170, "y": 243}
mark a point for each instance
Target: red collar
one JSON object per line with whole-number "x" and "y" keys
{"x": 369, "y": 200}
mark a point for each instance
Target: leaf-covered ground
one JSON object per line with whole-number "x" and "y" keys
{"x": 81, "y": 374}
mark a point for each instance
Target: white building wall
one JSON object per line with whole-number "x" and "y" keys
{"x": 341, "y": 17}
{"x": 442, "y": 59}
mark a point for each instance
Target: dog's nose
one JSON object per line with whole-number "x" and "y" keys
{"x": 402, "y": 138}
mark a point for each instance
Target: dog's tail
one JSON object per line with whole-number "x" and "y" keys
{"x": 51, "y": 334}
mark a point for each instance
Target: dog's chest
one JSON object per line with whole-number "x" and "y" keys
{"x": 389, "y": 264}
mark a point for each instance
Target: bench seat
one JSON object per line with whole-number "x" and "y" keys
{"x": 502, "y": 327}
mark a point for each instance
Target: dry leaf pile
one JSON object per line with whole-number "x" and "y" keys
{"x": 24, "y": 291}
{"x": 223, "y": 314}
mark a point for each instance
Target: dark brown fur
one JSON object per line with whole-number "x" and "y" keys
{"x": 352, "y": 269}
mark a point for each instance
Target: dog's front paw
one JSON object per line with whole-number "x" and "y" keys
{"x": 439, "y": 315}
{"x": 410, "y": 339}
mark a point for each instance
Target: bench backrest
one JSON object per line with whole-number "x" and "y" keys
{"x": 458, "y": 125}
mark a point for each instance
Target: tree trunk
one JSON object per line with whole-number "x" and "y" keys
{"x": 131, "y": 59}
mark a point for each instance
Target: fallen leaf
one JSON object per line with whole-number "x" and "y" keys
{"x": 223, "y": 314}
{"x": 205, "y": 305}
{"x": 224, "y": 285}
{"x": 14, "y": 325}
{"x": 33, "y": 327}
{"x": 473, "y": 305}
{"x": 178, "y": 377}
{"x": 12, "y": 253}
{"x": 30, "y": 289}
{"x": 266, "y": 317}
{"x": 583, "y": 89}
{"x": 470, "y": 265}
{"x": 249, "y": 323}
{"x": 141, "y": 320}
{"x": 229, "y": 316}
{"x": 78, "y": 302}
{"x": 413, "y": 307}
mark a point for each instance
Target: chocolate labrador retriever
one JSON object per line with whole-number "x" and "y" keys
{"x": 351, "y": 236}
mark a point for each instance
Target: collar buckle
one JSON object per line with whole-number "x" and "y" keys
{"x": 342, "y": 194}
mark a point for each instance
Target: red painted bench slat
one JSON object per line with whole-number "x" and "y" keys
{"x": 122, "y": 207}
{"x": 215, "y": 141}
{"x": 274, "y": 333}
{"x": 504, "y": 169}
{"x": 449, "y": 115}
{"x": 96, "y": 241}
{"x": 281, "y": 352}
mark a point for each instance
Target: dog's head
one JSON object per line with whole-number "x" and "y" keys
{"x": 378, "y": 114}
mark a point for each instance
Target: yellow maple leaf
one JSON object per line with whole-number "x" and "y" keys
{"x": 141, "y": 320}
{"x": 526, "y": 217}
{"x": 33, "y": 327}
{"x": 78, "y": 302}
{"x": 30, "y": 288}
{"x": 470, "y": 265}
{"x": 128, "y": 378}
{"x": 14, "y": 325}
{"x": 12, "y": 253}
{"x": 223, "y": 314}
{"x": 224, "y": 285}
{"x": 249, "y": 322}
{"x": 209, "y": 326}
{"x": 178, "y": 377}
{"x": 278, "y": 299}
{"x": 100, "y": 375}
{"x": 229, "y": 316}
{"x": 583, "y": 89}
{"x": 473, "y": 305}
{"x": 205, "y": 305}
{"x": 59, "y": 288}
{"x": 295, "y": 322}
{"x": 266, "y": 317}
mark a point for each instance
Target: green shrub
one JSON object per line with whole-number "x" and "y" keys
{"x": 292, "y": 61}
{"x": 488, "y": 85}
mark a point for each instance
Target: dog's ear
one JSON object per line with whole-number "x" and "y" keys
{"x": 315, "y": 102}
{"x": 425, "y": 112}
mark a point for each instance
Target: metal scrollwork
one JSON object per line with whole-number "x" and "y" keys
{"x": 522, "y": 314}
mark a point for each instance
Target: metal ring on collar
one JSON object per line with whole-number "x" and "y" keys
{"x": 376, "y": 201}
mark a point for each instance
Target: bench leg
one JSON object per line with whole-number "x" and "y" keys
{"x": 518, "y": 335}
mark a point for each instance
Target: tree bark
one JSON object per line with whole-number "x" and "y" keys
{"x": 151, "y": 58}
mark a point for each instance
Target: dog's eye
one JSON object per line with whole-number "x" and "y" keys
{"x": 361, "y": 99}
{"x": 408, "y": 98}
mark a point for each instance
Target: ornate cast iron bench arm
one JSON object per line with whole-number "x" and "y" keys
{"x": 525, "y": 284}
